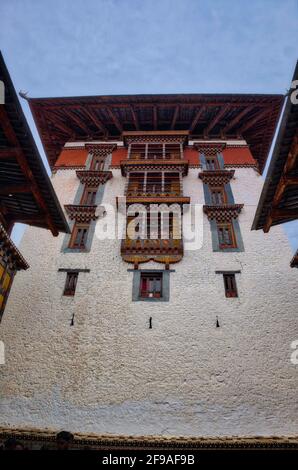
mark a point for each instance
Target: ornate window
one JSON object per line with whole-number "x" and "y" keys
{"x": 212, "y": 163}
{"x": 89, "y": 196}
{"x": 78, "y": 238}
{"x": 97, "y": 163}
{"x": 226, "y": 236}
{"x": 218, "y": 196}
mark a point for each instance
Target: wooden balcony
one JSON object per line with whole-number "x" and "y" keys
{"x": 154, "y": 189}
{"x": 160, "y": 250}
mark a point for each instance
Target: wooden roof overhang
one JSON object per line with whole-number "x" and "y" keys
{"x": 252, "y": 117}
{"x": 279, "y": 198}
{"x": 26, "y": 193}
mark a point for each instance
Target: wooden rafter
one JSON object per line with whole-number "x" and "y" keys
{"x": 8, "y": 153}
{"x": 155, "y": 117}
{"x": 91, "y": 114}
{"x": 256, "y": 118}
{"x": 216, "y": 118}
{"x": 27, "y": 219}
{"x": 15, "y": 188}
{"x": 59, "y": 124}
{"x": 196, "y": 118}
{"x": 237, "y": 119}
{"x": 12, "y": 138}
{"x": 114, "y": 118}
{"x": 286, "y": 180}
{"x": 292, "y": 157}
{"x": 175, "y": 117}
{"x": 134, "y": 118}
{"x": 78, "y": 121}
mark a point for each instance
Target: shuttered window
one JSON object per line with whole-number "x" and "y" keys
{"x": 226, "y": 236}
{"x": 79, "y": 237}
{"x": 70, "y": 283}
{"x": 230, "y": 285}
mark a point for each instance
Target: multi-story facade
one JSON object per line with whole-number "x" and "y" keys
{"x": 142, "y": 336}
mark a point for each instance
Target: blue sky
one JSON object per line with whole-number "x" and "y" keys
{"x": 75, "y": 47}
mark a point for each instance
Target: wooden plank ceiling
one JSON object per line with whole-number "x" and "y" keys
{"x": 249, "y": 116}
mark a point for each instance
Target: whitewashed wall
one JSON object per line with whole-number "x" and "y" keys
{"x": 109, "y": 373}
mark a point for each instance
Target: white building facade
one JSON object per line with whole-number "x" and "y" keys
{"x": 125, "y": 338}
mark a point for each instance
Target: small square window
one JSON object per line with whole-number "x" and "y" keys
{"x": 151, "y": 285}
{"x": 212, "y": 163}
{"x": 70, "y": 283}
{"x": 226, "y": 236}
{"x": 230, "y": 285}
{"x": 97, "y": 164}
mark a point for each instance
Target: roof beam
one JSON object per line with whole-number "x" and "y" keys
{"x": 14, "y": 189}
{"x": 134, "y": 118}
{"x": 279, "y": 214}
{"x": 114, "y": 119}
{"x": 155, "y": 117}
{"x": 77, "y": 120}
{"x": 196, "y": 118}
{"x": 292, "y": 157}
{"x": 255, "y": 119}
{"x": 58, "y": 123}
{"x": 29, "y": 219}
{"x": 175, "y": 116}
{"x": 7, "y": 153}
{"x": 285, "y": 213}
{"x": 22, "y": 161}
{"x": 216, "y": 118}
{"x": 285, "y": 180}
{"x": 237, "y": 118}
{"x": 90, "y": 113}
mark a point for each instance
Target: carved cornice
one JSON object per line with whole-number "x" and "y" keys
{"x": 154, "y": 165}
{"x": 210, "y": 149}
{"x": 224, "y": 212}
{"x": 100, "y": 150}
{"x": 160, "y": 250}
{"x": 165, "y": 259}
{"x": 216, "y": 177}
{"x": 81, "y": 213}
{"x": 242, "y": 165}
{"x": 94, "y": 178}
{"x": 9, "y": 252}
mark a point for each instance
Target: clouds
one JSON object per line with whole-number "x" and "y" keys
{"x": 85, "y": 47}
{"x": 140, "y": 46}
